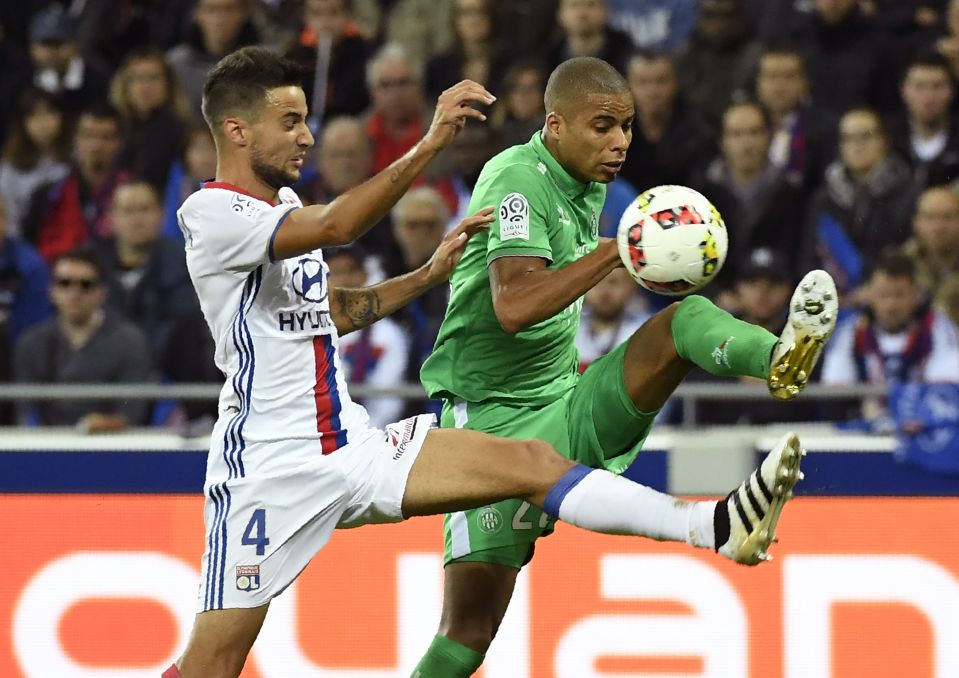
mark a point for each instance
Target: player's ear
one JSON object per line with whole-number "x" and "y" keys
{"x": 236, "y": 131}
{"x": 553, "y": 123}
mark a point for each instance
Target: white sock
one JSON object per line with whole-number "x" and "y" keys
{"x": 604, "y": 502}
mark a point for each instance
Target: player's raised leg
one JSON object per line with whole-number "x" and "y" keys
{"x": 219, "y": 643}
{"x": 696, "y": 332}
{"x": 459, "y": 468}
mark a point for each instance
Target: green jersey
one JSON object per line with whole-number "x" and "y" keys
{"x": 541, "y": 211}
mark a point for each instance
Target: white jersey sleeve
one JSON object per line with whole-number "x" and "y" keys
{"x": 943, "y": 362}
{"x": 839, "y": 363}
{"x": 238, "y": 230}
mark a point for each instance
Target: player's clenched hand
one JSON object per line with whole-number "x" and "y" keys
{"x": 453, "y": 109}
{"x": 448, "y": 254}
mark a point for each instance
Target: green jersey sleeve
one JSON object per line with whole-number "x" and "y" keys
{"x": 519, "y": 195}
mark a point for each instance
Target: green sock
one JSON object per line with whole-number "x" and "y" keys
{"x": 719, "y": 343}
{"x": 447, "y": 659}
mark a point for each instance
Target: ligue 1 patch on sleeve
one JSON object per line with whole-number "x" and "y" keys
{"x": 245, "y": 206}
{"x": 248, "y": 577}
{"x": 514, "y": 217}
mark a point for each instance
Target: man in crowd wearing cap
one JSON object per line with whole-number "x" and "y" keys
{"x": 58, "y": 67}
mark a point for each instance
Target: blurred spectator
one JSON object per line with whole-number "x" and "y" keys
{"x": 948, "y": 44}
{"x": 583, "y": 32}
{"x": 345, "y": 63}
{"x": 66, "y": 213}
{"x": 219, "y": 27}
{"x": 843, "y": 54}
{"x": 934, "y": 248}
{"x": 472, "y": 148}
{"x": 145, "y": 275}
{"x": 108, "y": 30}
{"x": 760, "y": 206}
{"x": 375, "y": 355}
{"x": 36, "y": 153}
{"x": 896, "y": 339}
{"x": 763, "y": 288}
{"x": 927, "y": 134}
{"x": 197, "y": 164}
{"x": 518, "y": 111}
{"x": 907, "y": 27}
{"x": 619, "y": 195}
{"x": 155, "y": 115}
{"x": 670, "y": 138}
{"x": 398, "y": 115}
{"x": 344, "y": 161}
{"x": 527, "y": 26}
{"x": 474, "y": 54}
{"x": 609, "y": 316}
{"x": 24, "y": 281}
{"x": 654, "y": 24}
{"x": 422, "y": 27}
{"x": 862, "y": 206}
{"x": 188, "y": 359}
{"x": 803, "y": 140}
{"x": 719, "y": 58}
{"x": 58, "y": 67}
{"x": 83, "y": 344}
{"x": 14, "y": 77}
{"x": 761, "y": 294}
{"x": 419, "y": 223}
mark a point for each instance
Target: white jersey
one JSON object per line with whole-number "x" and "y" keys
{"x": 275, "y": 339}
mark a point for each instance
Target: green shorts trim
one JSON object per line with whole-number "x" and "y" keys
{"x": 596, "y": 423}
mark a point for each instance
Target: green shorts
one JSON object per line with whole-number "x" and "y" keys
{"x": 595, "y": 424}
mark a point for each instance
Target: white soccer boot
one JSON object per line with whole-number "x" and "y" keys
{"x": 754, "y": 507}
{"x": 812, "y": 318}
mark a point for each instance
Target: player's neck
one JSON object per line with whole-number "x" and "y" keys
{"x": 243, "y": 177}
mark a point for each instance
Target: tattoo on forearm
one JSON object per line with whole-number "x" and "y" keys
{"x": 361, "y": 307}
{"x": 399, "y": 170}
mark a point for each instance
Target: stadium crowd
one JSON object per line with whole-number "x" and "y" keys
{"x": 825, "y": 131}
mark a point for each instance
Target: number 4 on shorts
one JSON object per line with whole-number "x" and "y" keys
{"x": 255, "y": 532}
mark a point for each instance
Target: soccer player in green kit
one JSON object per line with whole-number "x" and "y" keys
{"x": 505, "y": 361}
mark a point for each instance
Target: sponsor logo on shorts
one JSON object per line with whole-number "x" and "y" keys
{"x": 400, "y": 436}
{"x": 247, "y": 577}
{"x": 490, "y": 520}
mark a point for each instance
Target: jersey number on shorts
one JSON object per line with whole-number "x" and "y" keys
{"x": 519, "y": 518}
{"x": 255, "y": 532}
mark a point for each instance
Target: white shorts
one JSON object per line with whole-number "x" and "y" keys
{"x": 263, "y": 528}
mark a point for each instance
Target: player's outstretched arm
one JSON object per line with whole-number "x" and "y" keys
{"x": 356, "y": 211}
{"x": 354, "y": 309}
{"x": 526, "y": 292}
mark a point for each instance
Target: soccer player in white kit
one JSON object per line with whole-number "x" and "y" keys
{"x": 292, "y": 457}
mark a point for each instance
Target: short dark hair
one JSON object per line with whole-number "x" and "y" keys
{"x": 85, "y": 255}
{"x": 929, "y": 59}
{"x": 577, "y": 78}
{"x": 240, "y": 81}
{"x": 895, "y": 263}
{"x": 101, "y": 110}
{"x": 783, "y": 50}
{"x": 749, "y": 103}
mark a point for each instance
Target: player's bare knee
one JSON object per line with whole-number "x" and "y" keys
{"x": 542, "y": 463}
{"x": 475, "y": 632}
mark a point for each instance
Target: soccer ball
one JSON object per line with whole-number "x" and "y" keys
{"x": 672, "y": 240}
